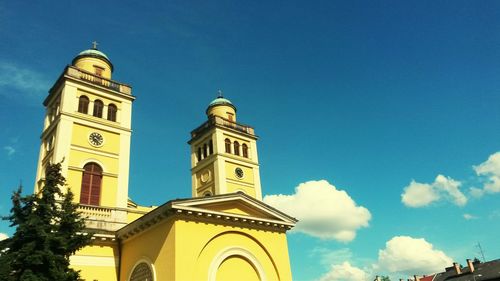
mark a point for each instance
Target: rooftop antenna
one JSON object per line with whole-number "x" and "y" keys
{"x": 478, "y": 246}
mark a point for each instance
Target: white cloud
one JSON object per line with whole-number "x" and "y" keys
{"x": 345, "y": 272}
{"x": 403, "y": 256}
{"x": 407, "y": 255}
{"x": 469, "y": 217}
{"x": 490, "y": 171}
{"x": 9, "y": 150}
{"x": 26, "y": 80}
{"x": 417, "y": 194}
{"x": 3, "y": 236}
{"x": 322, "y": 211}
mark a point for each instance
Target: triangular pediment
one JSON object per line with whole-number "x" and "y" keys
{"x": 234, "y": 204}
{"x": 236, "y": 208}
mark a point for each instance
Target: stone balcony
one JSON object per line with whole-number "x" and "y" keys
{"x": 98, "y": 80}
{"x": 103, "y": 218}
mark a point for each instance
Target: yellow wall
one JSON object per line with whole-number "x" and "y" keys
{"x": 234, "y": 184}
{"x": 202, "y": 243}
{"x": 222, "y": 111}
{"x": 232, "y": 187}
{"x": 247, "y": 171}
{"x": 97, "y": 262}
{"x": 190, "y": 250}
{"x": 80, "y": 137}
{"x": 239, "y": 209}
{"x": 155, "y": 245}
{"x": 87, "y": 64}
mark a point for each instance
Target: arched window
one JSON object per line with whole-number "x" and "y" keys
{"x": 98, "y": 106}
{"x": 244, "y": 148}
{"x": 236, "y": 148}
{"x": 210, "y": 147}
{"x": 228, "y": 145}
{"x": 83, "y": 104}
{"x": 112, "y": 109}
{"x": 205, "y": 151}
{"x": 142, "y": 272}
{"x": 90, "y": 193}
{"x": 199, "y": 154}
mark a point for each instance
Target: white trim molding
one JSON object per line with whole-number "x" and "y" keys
{"x": 238, "y": 252}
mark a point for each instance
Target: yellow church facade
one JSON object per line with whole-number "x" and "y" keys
{"x": 223, "y": 232}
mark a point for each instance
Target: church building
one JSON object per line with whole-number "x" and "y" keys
{"x": 223, "y": 232}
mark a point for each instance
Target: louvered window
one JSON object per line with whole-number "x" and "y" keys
{"x": 90, "y": 193}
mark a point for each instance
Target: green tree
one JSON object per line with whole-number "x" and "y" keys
{"x": 49, "y": 230}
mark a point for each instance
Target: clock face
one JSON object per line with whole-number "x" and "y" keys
{"x": 96, "y": 139}
{"x": 239, "y": 173}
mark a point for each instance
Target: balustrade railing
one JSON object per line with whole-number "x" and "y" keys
{"x": 95, "y": 212}
{"x": 217, "y": 120}
{"x": 98, "y": 80}
{"x": 104, "y": 218}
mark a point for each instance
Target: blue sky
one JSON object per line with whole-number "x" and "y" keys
{"x": 395, "y": 105}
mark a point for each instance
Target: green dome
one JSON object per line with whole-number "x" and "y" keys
{"x": 220, "y": 100}
{"x": 94, "y": 53}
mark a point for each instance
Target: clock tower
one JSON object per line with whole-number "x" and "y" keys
{"x": 224, "y": 154}
{"x": 88, "y": 125}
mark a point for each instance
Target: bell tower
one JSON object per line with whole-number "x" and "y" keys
{"x": 224, "y": 154}
{"x": 88, "y": 124}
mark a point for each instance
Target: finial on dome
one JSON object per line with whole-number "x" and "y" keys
{"x": 219, "y": 94}
{"x": 94, "y": 45}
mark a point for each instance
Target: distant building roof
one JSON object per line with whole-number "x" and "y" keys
{"x": 486, "y": 271}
